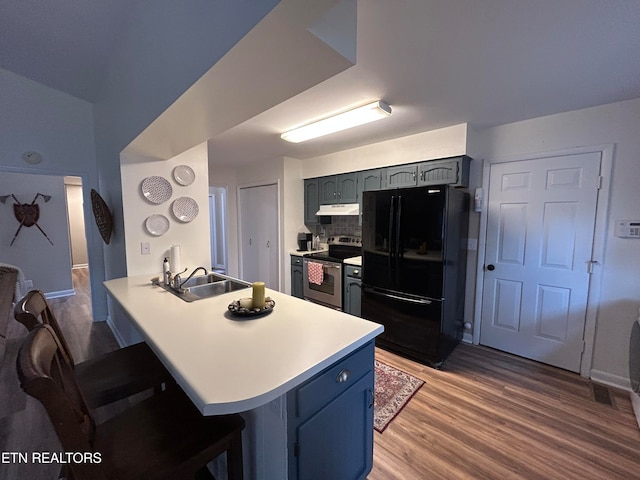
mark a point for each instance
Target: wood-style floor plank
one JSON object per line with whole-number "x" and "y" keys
{"x": 491, "y": 415}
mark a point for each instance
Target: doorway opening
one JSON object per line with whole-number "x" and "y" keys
{"x": 218, "y": 221}
{"x": 50, "y": 252}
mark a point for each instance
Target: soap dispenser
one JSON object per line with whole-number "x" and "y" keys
{"x": 166, "y": 271}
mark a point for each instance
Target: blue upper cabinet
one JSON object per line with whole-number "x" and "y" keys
{"x": 453, "y": 171}
{"x": 402, "y": 176}
{"x": 339, "y": 189}
{"x": 311, "y": 201}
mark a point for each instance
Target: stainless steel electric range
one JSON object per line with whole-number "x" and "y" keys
{"x": 322, "y": 271}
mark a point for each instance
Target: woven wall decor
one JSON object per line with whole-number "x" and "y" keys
{"x": 101, "y": 213}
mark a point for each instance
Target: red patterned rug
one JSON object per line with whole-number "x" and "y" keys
{"x": 393, "y": 390}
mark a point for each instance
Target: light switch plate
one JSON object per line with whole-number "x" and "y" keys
{"x": 145, "y": 248}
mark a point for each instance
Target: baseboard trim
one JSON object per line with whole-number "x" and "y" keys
{"x": 467, "y": 337}
{"x": 60, "y": 294}
{"x": 610, "y": 379}
{"x": 115, "y": 332}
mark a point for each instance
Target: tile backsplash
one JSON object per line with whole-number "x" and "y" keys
{"x": 340, "y": 225}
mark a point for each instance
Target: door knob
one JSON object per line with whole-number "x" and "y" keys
{"x": 491, "y": 268}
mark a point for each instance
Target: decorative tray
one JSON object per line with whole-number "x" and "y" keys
{"x": 236, "y": 309}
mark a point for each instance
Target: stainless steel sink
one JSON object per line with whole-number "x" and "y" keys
{"x": 206, "y": 286}
{"x": 215, "y": 288}
{"x": 203, "y": 280}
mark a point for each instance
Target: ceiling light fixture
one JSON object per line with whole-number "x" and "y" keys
{"x": 342, "y": 121}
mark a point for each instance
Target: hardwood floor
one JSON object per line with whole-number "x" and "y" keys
{"x": 490, "y": 415}
{"x": 486, "y": 415}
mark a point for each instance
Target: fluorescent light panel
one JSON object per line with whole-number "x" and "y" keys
{"x": 342, "y": 121}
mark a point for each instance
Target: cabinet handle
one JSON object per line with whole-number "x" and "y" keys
{"x": 343, "y": 376}
{"x": 249, "y": 241}
{"x": 334, "y": 194}
{"x": 371, "y": 397}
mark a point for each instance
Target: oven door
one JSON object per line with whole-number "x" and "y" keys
{"x": 329, "y": 291}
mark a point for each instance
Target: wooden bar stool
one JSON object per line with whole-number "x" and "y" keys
{"x": 163, "y": 437}
{"x": 106, "y": 378}
{"x": 8, "y": 278}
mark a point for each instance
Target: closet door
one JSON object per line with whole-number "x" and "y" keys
{"x": 249, "y": 231}
{"x": 259, "y": 234}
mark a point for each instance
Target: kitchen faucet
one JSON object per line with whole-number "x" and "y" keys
{"x": 177, "y": 282}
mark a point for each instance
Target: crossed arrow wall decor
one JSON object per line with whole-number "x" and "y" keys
{"x": 27, "y": 214}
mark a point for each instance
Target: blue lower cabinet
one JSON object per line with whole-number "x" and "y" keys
{"x": 330, "y": 421}
{"x": 296, "y": 277}
{"x": 352, "y": 290}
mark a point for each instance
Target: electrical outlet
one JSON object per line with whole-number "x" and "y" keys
{"x": 145, "y": 248}
{"x": 28, "y": 284}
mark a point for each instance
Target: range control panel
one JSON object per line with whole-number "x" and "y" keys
{"x": 628, "y": 228}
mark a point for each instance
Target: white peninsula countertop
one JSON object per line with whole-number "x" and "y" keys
{"x": 229, "y": 364}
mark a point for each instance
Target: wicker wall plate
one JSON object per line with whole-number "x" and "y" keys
{"x": 102, "y": 215}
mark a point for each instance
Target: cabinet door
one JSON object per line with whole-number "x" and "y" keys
{"x": 337, "y": 442}
{"x": 328, "y": 190}
{"x": 353, "y": 297}
{"x": 438, "y": 173}
{"x": 403, "y": 176}
{"x": 296, "y": 281}
{"x": 368, "y": 180}
{"x": 311, "y": 201}
{"x": 347, "y": 184}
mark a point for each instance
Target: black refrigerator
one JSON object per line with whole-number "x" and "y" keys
{"x": 414, "y": 263}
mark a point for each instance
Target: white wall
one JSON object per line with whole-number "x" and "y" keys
{"x": 441, "y": 143}
{"x": 75, "y": 206}
{"x": 48, "y": 266}
{"x": 60, "y": 128}
{"x": 193, "y": 237}
{"x": 287, "y": 172}
{"x": 618, "y": 124}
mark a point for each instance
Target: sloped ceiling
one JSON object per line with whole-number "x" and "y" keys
{"x": 436, "y": 62}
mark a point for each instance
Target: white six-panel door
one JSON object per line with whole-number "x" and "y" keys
{"x": 540, "y": 229}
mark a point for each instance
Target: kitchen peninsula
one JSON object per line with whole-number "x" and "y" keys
{"x": 281, "y": 370}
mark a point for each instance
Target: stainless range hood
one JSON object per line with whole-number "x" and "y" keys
{"x": 339, "y": 209}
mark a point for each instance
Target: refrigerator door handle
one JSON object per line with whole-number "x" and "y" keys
{"x": 398, "y": 249}
{"x": 417, "y": 301}
{"x": 391, "y": 247}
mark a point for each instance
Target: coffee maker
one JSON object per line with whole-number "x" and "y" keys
{"x": 304, "y": 241}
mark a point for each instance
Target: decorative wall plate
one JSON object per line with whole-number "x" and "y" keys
{"x": 184, "y": 175}
{"x": 156, "y": 189}
{"x": 157, "y": 225}
{"x": 185, "y": 209}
